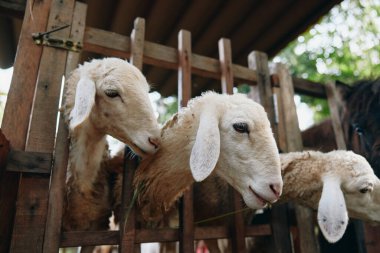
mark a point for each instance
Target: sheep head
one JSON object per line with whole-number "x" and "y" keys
{"x": 112, "y": 95}
{"x": 234, "y": 137}
{"x": 338, "y": 184}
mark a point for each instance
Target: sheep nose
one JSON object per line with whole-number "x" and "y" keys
{"x": 276, "y": 189}
{"x": 154, "y": 141}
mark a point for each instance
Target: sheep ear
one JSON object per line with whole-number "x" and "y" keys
{"x": 332, "y": 212}
{"x": 84, "y": 101}
{"x": 206, "y": 149}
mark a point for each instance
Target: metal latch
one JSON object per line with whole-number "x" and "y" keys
{"x": 43, "y": 38}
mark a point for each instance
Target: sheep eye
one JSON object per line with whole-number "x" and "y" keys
{"x": 364, "y": 190}
{"x": 111, "y": 93}
{"x": 241, "y": 127}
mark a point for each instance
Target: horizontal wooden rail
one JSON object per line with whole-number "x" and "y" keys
{"x": 87, "y": 238}
{"x": 113, "y": 44}
{"x": 31, "y": 162}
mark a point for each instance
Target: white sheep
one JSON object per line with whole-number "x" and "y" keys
{"x": 104, "y": 97}
{"x": 338, "y": 184}
{"x": 229, "y": 135}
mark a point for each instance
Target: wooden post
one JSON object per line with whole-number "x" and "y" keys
{"x": 334, "y": 112}
{"x": 128, "y": 227}
{"x": 186, "y": 215}
{"x": 225, "y": 59}
{"x": 237, "y": 229}
{"x": 127, "y": 222}
{"x": 304, "y": 216}
{"x": 259, "y": 62}
{"x": 137, "y": 43}
{"x": 30, "y": 218}
{"x": 279, "y": 220}
{"x": 58, "y": 177}
{"x": 19, "y": 102}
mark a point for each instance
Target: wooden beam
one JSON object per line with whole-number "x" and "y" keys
{"x": 30, "y": 219}
{"x": 304, "y": 216}
{"x": 225, "y": 58}
{"x": 264, "y": 95}
{"x": 16, "y": 128}
{"x": 186, "y": 214}
{"x": 88, "y": 238}
{"x": 58, "y": 176}
{"x": 137, "y": 43}
{"x": 31, "y": 162}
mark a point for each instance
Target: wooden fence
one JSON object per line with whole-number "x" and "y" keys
{"x": 34, "y": 98}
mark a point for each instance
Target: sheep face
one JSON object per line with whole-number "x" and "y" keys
{"x": 113, "y": 95}
{"x": 248, "y": 159}
{"x": 249, "y": 154}
{"x": 362, "y": 189}
{"x": 351, "y": 190}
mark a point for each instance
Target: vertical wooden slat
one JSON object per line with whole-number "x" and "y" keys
{"x": 279, "y": 220}
{"x": 332, "y": 99}
{"x": 304, "y": 216}
{"x": 237, "y": 229}
{"x": 137, "y": 43}
{"x": 186, "y": 243}
{"x": 225, "y": 59}
{"x": 58, "y": 177}
{"x": 184, "y": 68}
{"x": 19, "y": 102}
{"x": 259, "y": 62}
{"x": 30, "y": 219}
{"x": 128, "y": 228}
{"x": 127, "y": 215}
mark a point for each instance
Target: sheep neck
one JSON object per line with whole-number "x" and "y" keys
{"x": 306, "y": 190}
{"x": 88, "y": 146}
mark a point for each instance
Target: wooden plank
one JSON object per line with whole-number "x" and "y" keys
{"x": 32, "y": 162}
{"x": 225, "y": 58}
{"x": 127, "y": 233}
{"x": 237, "y": 229}
{"x": 16, "y": 128}
{"x": 258, "y": 61}
{"x": 186, "y": 215}
{"x": 332, "y": 98}
{"x": 304, "y": 216}
{"x": 281, "y": 132}
{"x": 90, "y": 238}
{"x": 137, "y": 43}
{"x": 279, "y": 222}
{"x": 30, "y": 219}
{"x": 6, "y": 210}
{"x": 106, "y": 43}
{"x": 109, "y": 43}
{"x": 58, "y": 177}
{"x": 184, "y": 68}
{"x": 128, "y": 217}
{"x": 303, "y": 86}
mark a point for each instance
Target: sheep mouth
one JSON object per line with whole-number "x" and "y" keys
{"x": 262, "y": 200}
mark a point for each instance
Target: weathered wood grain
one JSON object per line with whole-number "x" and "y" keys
{"x": 16, "y": 128}
{"x": 186, "y": 215}
{"x": 304, "y": 216}
{"x": 58, "y": 176}
{"x": 30, "y": 218}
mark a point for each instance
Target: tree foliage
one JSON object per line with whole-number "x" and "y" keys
{"x": 343, "y": 46}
